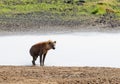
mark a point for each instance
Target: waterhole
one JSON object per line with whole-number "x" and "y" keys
{"x": 71, "y": 50}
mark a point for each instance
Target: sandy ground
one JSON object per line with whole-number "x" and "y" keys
{"x": 58, "y": 75}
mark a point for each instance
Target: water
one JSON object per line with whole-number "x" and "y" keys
{"x": 84, "y": 49}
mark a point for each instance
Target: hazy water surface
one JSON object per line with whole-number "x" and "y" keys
{"x": 85, "y": 49}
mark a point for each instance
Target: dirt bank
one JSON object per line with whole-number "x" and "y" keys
{"x": 40, "y": 24}
{"x": 58, "y": 75}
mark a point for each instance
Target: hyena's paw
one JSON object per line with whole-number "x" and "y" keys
{"x": 33, "y": 62}
{"x": 42, "y": 64}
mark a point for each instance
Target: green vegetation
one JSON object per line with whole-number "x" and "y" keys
{"x": 59, "y": 6}
{"x": 62, "y": 9}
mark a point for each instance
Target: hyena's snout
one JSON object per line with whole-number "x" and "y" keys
{"x": 53, "y": 47}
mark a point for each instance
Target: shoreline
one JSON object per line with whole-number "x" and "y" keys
{"x": 52, "y": 30}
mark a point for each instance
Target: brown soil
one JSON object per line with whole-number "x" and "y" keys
{"x": 58, "y": 75}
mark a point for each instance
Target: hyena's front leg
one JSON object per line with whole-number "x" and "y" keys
{"x": 41, "y": 61}
{"x": 44, "y": 58}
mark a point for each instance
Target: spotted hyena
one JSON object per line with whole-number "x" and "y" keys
{"x": 41, "y": 49}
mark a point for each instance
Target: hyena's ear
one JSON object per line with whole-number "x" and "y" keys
{"x": 54, "y": 41}
{"x": 49, "y": 41}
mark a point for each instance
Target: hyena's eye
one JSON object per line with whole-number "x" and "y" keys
{"x": 49, "y": 42}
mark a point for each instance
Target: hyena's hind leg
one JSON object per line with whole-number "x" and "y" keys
{"x": 34, "y": 59}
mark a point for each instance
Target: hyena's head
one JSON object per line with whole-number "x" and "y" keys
{"x": 51, "y": 44}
